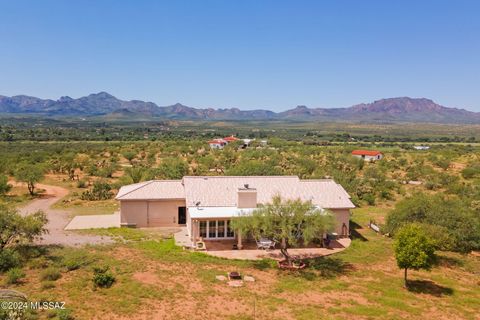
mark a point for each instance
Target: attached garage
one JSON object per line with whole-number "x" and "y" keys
{"x": 157, "y": 213}
{"x": 152, "y": 204}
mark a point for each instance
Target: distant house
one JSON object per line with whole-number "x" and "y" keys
{"x": 421, "y": 147}
{"x": 368, "y": 155}
{"x": 230, "y": 139}
{"x": 217, "y": 143}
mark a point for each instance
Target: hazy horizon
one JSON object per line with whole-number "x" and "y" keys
{"x": 245, "y": 109}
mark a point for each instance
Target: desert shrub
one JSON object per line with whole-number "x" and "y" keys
{"x": 172, "y": 168}
{"x": 82, "y": 183}
{"x": 8, "y": 259}
{"x": 47, "y": 285}
{"x": 369, "y": 198}
{"x": 454, "y": 217}
{"x": 102, "y": 277}
{"x": 100, "y": 191}
{"x": 39, "y": 263}
{"x": 50, "y": 274}
{"x": 14, "y": 275}
{"x": 4, "y": 185}
{"x": 471, "y": 172}
{"x": 74, "y": 260}
{"x": 65, "y": 314}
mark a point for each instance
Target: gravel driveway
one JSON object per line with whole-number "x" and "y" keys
{"x": 58, "y": 219}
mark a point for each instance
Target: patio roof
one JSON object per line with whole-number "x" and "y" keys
{"x": 224, "y": 212}
{"x": 217, "y": 212}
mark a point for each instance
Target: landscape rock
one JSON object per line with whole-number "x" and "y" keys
{"x": 221, "y": 278}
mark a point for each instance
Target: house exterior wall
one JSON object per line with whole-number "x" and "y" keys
{"x": 343, "y": 217}
{"x": 133, "y": 213}
{"x": 369, "y": 158}
{"x": 164, "y": 213}
{"x": 145, "y": 213}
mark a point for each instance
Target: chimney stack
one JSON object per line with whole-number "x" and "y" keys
{"x": 246, "y": 197}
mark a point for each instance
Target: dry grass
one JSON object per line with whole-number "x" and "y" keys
{"x": 157, "y": 280}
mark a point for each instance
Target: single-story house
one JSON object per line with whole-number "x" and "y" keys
{"x": 206, "y": 204}
{"x": 368, "y": 155}
{"x": 230, "y": 139}
{"x": 217, "y": 143}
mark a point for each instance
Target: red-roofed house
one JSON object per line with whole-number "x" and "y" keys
{"x": 221, "y": 142}
{"x": 217, "y": 143}
{"x": 230, "y": 139}
{"x": 368, "y": 155}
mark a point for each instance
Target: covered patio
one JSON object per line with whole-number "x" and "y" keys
{"x": 224, "y": 249}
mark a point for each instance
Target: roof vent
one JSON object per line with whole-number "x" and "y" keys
{"x": 246, "y": 185}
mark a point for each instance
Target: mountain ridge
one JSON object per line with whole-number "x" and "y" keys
{"x": 400, "y": 109}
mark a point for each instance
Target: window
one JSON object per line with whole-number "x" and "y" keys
{"x": 203, "y": 229}
{"x": 230, "y": 233}
{"x": 212, "y": 229}
{"x": 221, "y": 229}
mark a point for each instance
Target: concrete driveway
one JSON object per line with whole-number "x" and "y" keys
{"x": 94, "y": 222}
{"x": 58, "y": 219}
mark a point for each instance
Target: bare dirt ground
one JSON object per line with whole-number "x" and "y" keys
{"x": 58, "y": 219}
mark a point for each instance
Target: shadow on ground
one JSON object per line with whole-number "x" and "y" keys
{"x": 354, "y": 234}
{"x": 449, "y": 262}
{"x": 428, "y": 287}
{"x": 328, "y": 267}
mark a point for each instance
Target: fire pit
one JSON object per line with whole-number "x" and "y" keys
{"x": 234, "y": 276}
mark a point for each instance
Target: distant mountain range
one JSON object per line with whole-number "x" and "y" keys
{"x": 105, "y": 105}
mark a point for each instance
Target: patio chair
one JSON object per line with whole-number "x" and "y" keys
{"x": 265, "y": 244}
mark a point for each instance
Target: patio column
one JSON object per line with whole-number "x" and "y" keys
{"x": 239, "y": 240}
{"x": 194, "y": 231}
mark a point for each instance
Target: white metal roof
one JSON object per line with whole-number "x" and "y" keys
{"x": 221, "y": 191}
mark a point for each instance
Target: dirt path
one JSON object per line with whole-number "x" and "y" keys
{"x": 58, "y": 219}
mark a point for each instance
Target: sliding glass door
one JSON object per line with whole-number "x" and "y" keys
{"x": 216, "y": 229}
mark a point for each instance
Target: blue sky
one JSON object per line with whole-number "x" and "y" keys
{"x": 247, "y": 54}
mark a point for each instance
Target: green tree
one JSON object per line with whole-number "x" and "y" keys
{"x": 172, "y": 168}
{"x": 101, "y": 191}
{"x": 135, "y": 174}
{"x": 30, "y": 174}
{"x": 4, "y": 185}
{"x": 18, "y": 229}
{"x": 413, "y": 249}
{"x": 254, "y": 168}
{"x": 286, "y": 222}
{"x": 129, "y": 155}
{"x": 453, "y": 215}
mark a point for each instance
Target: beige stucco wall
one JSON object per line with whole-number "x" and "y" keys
{"x": 247, "y": 198}
{"x": 342, "y": 216}
{"x": 133, "y": 213}
{"x": 150, "y": 213}
{"x": 164, "y": 213}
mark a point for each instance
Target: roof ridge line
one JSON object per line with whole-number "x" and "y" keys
{"x": 139, "y": 187}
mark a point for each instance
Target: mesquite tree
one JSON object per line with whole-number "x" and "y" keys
{"x": 287, "y": 222}
{"x": 17, "y": 229}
